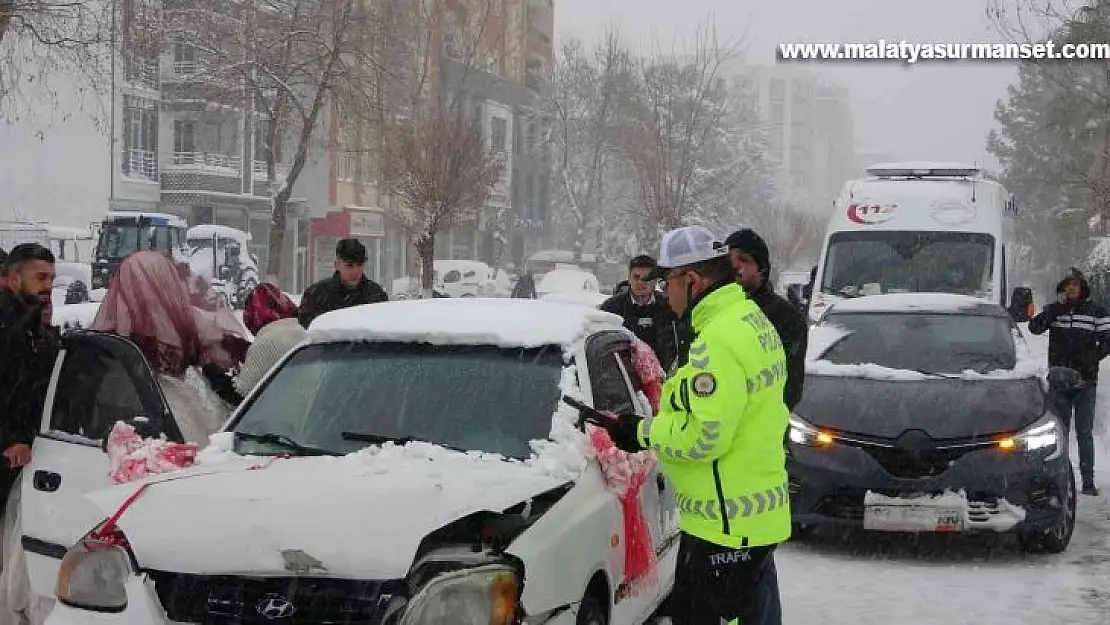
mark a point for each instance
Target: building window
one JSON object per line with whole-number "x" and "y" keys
{"x": 184, "y": 58}
{"x": 498, "y": 134}
{"x": 140, "y": 138}
{"x": 346, "y": 169}
{"x": 183, "y": 137}
{"x": 778, "y": 90}
{"x": 778, "y": 113}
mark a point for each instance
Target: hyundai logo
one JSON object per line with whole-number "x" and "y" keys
{"x": 273, "y": 607}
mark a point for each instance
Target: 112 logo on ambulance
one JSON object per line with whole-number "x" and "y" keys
{"x": 871, "y": 213}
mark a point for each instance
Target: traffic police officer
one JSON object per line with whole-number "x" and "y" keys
{"x": 718, "y": 436}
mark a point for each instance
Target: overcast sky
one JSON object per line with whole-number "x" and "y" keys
{"x": 939, "y": 110}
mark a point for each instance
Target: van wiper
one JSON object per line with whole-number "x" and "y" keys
{"x": 935, "y": 374}
{"x": 282, "y": 440}
{"x": 381, "y": 439}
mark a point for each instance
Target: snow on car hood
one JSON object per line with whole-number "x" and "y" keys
{"x": 363, "y": 515}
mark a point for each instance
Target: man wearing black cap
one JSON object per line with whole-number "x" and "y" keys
{"x": 347, "y": 287}
{"x": 645, "y": 313}
{"x": 752, "y": 262}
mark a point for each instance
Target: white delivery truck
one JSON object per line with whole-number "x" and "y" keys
{"x": 918, "y": 227}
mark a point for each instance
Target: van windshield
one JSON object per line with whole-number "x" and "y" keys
{"x": 876, "y": 262}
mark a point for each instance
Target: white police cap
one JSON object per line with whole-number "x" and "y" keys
{"x": 689, "y": 245}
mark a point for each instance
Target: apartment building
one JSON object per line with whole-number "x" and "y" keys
{"x": 184, "y": 145}
{"x": 810, "y": 130}
{"x": 497, "y": 87}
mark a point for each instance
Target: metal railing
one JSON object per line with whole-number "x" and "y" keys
{"x": 259, "y": 168}
{"x": 213, "y": 160}
{"x": 140, "y": 164}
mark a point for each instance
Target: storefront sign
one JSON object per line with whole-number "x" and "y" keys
{"x": 367, "y": 224}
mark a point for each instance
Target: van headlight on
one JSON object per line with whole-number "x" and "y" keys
{"x": 486, "y": 594}
{"x": 1046, "y": 435}
{"x": 802, "y": 433}
{"x": 93, "y": 573}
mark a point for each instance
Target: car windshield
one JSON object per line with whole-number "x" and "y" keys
{"x": 875, "y": 262}
{"x": 929, "y": 343}
{"x": 121, "y": 240}
{"x": 479, "y": 398}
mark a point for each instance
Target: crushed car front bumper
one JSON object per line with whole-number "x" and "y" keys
{"x": 873, "y": 487}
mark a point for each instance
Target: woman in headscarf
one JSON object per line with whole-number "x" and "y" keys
{"x": 149, "y": 303}
{"x": 272, "y": 318}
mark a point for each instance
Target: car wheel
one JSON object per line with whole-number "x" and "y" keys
{"x": 591, "y": 612}
{"x": 1058, "y": 537}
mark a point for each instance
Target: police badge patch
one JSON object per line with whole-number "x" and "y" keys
{"x": 704, "y": 384}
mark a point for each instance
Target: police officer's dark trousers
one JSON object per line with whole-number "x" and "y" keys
{"x": 715, "y": 585}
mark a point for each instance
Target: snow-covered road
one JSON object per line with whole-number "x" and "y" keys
{"x": 876, "y": 580}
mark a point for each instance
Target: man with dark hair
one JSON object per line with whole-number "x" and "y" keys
{"x": 751, "y": 261}
{"x": 718, "y": 436}
{"x": 29, "y": 347}
{"x": 645, "y": 314}
{"x": 1078, "y": 339}
{"x": 347, "y": 287}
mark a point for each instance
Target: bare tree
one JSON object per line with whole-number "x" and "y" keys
{"x": 673, "y": 129}
{"x": 435, "y": 161}
{"x": 287, "y": 62}
{"x": 442, "y": 169}
{"x": 43, "y": 40}
{"x": 589, "y": 89}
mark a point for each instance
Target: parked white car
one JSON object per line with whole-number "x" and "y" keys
{"x": 567, "y": 279}
{"x": 435, "y": 477}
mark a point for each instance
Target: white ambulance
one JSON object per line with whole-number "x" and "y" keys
{"x": 918, "y": 227}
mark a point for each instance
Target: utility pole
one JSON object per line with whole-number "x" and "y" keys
{"x": 112, "y": 114}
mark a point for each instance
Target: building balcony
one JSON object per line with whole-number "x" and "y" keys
{"x": 211, "y": 162}
{"x": 218, "y": 164}
{"x": 140, "y": 165}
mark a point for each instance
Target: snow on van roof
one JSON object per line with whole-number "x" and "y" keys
{"x": 463, "y": 321}
{"x": 916, "y": 302}
{"x": 172, "y": 220}
{"x": 207, "y": 231}
{"x": 923, "y": 166}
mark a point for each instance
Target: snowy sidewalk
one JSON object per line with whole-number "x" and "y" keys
{"x": 879, "y": 580}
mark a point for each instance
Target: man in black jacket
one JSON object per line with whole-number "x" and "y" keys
{"x": 348, "y": 287}
{"x": 645, "y": 312}
{"x": 752, "y": 262}
{"x": 1078, "y": 339}
{"x": 28, "y": 349}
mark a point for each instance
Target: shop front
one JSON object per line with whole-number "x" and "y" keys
{"x": 366, "y": 224}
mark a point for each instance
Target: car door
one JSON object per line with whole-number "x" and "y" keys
{"x": 98, "y": 380}
{"x": 617, "y": 388}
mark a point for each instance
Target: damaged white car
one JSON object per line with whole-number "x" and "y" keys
{"x": 411, "y": 463}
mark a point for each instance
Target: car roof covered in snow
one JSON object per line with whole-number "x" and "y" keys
{"x": 207, "y": 231}
{"x": 464, "y": 321}
{"x": 942, "y": 303}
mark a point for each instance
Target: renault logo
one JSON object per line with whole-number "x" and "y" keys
{"x": 273, "y": 607}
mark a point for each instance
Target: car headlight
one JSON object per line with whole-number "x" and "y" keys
{"x": 1047, "y": 434}
{"x": 486, "y": 594}
{"x": 93, "y": 573}
{"x": 802, "y": 433}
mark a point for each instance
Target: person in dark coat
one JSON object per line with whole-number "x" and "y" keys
{"x": 645, "y": 312}
{"x": 752, "y": 262}
{"x": 29, "y": 346}
{"x": 3, "y": 269}
{"x": 525, "y": 287}
{"x": 348, "y": 287}
{"x": 1078, "y": 339}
